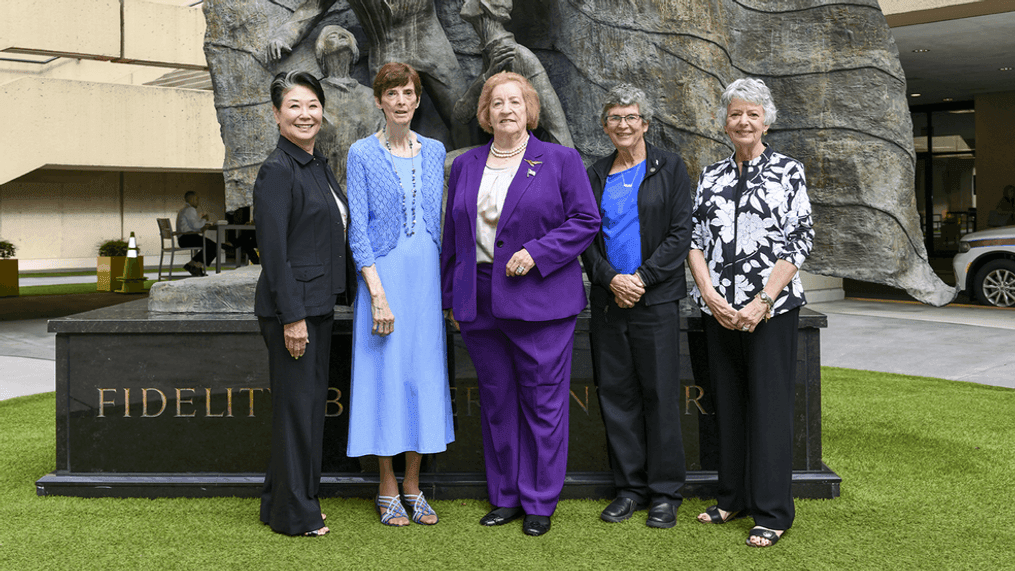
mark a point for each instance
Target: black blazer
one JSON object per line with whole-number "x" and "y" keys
{"x": 300, "y": 235}
{"x": 664, "y": 216}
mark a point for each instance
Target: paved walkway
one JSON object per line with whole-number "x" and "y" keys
{"x": 957, "y": 342}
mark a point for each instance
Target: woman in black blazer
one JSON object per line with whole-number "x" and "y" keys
{"x": 300, "y": 215}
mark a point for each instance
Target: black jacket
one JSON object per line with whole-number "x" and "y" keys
{"x": 664, "y": 215}
{"x": 300, "y": 235}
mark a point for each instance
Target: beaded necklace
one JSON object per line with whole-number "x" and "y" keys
{"x": 409, "y": 231}
{"x": 508, "y": 154}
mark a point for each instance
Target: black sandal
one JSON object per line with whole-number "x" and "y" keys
{"x": 763, "y": 533}
{"x": 713, "y": 514}
{"x": 316, "y": 533}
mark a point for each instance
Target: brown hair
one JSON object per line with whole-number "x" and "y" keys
{"x": 529, "y": 95}
{"x": 396, "y": 74}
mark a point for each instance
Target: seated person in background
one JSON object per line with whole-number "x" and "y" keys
{"x": 245, "y": 241}
{"x": 191, "y": 228}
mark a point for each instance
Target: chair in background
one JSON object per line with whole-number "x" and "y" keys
{"x": 167, "y": 235}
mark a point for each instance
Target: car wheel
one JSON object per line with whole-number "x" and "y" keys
{"x": 995, "y": 283}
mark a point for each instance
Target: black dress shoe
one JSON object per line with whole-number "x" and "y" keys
{"x": 536, "y": 525}
{"x": 500, "y": 516}
{"x": 620, "y": 509}
{"x": 662, "y": 515}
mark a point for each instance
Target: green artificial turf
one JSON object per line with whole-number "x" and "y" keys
{"x": 61, "y": 289}
{"x": 926, "y": 465}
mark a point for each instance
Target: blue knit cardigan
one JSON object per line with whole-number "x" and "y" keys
{"x": 375, "y": 201}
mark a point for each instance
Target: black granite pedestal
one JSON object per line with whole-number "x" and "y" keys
{"x": 153, "y": 404}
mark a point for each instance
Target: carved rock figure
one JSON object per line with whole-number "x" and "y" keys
{"x": 406, "y": 31}
{"x": 502, "y": 53}
{"x": 349, "y": 111}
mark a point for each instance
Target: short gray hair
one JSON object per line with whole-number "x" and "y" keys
{"x": 623, "y": 95}
{"x": 752, "y": 91}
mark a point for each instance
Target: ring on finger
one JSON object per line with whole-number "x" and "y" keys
{"x": 519, "y": 270}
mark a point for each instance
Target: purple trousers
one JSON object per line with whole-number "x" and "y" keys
{"x": 524, "y": 375}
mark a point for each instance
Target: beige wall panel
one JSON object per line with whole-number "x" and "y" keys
{"x": 61, "y": 218}
{"x": 995, "y": 163}
{"x": 163, "y": 33}
{"x": 67, "y": 26}
{"x": 98, "y": 125}
{"x": 57, "y": 218}
{"x": 901, "y": 6}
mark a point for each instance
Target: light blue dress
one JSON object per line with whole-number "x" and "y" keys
{"x": 400, "y": 397}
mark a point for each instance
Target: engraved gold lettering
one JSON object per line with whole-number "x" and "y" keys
{"x": 103, "y": 402}
{"x": 334, "y": 401}
{"x": 251, "y": 413}
{"x": 229, "y": 402}
{"x": 207, "y": 405}
{"x": 688, "y": 400}
{"x": 181, "y": 401}
{"x": 584, "y": 406}
{"x": 144, "y": 403}
{"x": 126, "y": 403}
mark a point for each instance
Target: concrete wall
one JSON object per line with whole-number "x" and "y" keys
{"x": 995, "y": 162}
{"x": 128, "y": 31}
{"x": 57, "y": 218}
{"x": 53, "y": 122}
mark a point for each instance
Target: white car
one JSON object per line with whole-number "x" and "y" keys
{"x": 985, "y": 266}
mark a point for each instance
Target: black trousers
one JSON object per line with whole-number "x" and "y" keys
{"x": 636, "y": 361}
{"x": 299, "y": 391}
{"x": 210, "y": 247}
{"x": 754, "y": 383}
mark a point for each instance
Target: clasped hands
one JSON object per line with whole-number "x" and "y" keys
{"x": 744, "y": 320}
{"x": 627, "y": 289}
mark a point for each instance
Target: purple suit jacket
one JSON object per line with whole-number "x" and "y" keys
{"x": 549, "y": 210}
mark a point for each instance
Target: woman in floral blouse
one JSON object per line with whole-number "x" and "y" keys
{"x": 751, "y": 232}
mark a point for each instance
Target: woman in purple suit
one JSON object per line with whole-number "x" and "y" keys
{"x": 519, "y": 213}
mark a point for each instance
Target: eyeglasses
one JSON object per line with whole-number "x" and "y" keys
{"x": 614, "y": 120}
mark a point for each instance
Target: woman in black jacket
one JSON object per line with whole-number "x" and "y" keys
{"x": 636, "y": 266}
{"x": 300, "y": 216}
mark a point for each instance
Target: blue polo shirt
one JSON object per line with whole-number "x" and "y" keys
{"x": 619, "y": 209}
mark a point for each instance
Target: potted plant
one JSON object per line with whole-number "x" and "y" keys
{"x": 109, "y": 264}
{"x": 8, "y": 270}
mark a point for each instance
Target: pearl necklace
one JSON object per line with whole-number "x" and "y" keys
{"x": 409, "y": 231}
{"x": 508, "y": 154}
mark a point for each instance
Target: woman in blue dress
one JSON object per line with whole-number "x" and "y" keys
{"x": 400, "y": 399}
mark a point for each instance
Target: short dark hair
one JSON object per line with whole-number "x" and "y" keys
{"x": 396, "y": 74}
{"x": 287, "y": 80}
{"x": 187, "y": 195}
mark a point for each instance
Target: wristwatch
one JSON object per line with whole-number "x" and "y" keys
{"x": 767, "y": 299}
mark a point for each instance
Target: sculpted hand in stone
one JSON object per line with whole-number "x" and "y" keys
{"x": 349, "y": 114}
{"x": 502, "y": 53}
{"x": 407, "y": 31}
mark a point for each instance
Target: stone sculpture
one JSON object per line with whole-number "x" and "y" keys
{"x": 501, "y": 52}
{"x": 831, "y": 64}
{"x": 398, "y": 30}
{"x": 349, "y": 110}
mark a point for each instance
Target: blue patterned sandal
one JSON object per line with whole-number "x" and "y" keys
{"x": 420, "y": 508}
{"x": 392, "y": 509}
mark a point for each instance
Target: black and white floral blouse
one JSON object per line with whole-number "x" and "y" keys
{"x": 772, "y": 222}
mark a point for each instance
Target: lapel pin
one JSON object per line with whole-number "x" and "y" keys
{"x": 531, "y": 172}
{"x": 533, "y": 163}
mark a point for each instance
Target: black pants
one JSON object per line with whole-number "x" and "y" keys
{"x": 210, "y": 248}
{"x": 636, "y": 359}
{"x": 299, "y": 391}
{"x": 754, "y": 382}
